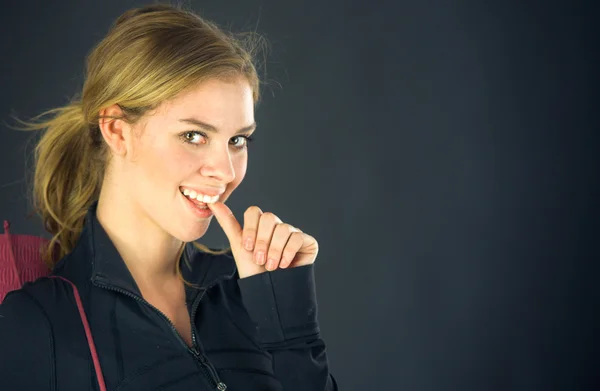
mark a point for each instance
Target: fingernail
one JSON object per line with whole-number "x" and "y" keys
{"x": 260, "y": 258}
{"x": 271, "y": 264}
{"x": 248, "y": 244}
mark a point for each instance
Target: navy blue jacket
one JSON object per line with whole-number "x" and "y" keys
{"x": 256, "y": 333}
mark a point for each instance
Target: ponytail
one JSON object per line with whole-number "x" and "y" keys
{"x": 69, "y": 168}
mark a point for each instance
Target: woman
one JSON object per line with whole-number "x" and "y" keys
{"x": 126, "y": 178}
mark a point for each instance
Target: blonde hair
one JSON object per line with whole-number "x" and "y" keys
{"x": 150, "y": 55}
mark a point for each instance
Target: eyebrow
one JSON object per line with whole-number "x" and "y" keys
{"x": 211, "y": 128}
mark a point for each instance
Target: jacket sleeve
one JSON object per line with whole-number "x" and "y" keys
{"x": 25, "y": 345}
{"x": 283, "y": 305}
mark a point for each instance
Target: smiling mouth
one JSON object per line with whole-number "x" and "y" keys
{"x": 195, "y": 201}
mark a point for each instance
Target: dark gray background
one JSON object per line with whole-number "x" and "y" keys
{"x": 444, "y": 154}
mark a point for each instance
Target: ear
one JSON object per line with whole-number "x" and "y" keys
{"x": 116, "y": 132}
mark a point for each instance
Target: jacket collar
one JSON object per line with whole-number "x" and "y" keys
{"x": 106, "y": 266}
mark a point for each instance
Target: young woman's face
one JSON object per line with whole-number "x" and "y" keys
{"x": 196, "y": 141}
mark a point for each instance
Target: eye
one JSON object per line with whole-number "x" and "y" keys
{"x": 193, "y": 137}
{"x": 241, "y": 142}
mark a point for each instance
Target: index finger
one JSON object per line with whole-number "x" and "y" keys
{"x": 251, "y": 219}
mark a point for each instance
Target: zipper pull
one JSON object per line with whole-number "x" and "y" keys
{"x": 221, "y": 386}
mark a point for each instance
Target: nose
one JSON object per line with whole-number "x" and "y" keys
{"x": 219, "y": 166}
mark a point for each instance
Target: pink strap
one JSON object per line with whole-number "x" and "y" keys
{"x": 88, "y": 334}
{"x": 16, "y": 274}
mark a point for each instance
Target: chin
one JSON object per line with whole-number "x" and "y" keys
{"x": 193, "y": 233}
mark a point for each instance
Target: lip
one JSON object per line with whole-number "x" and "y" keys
{"x": 200, "y": 213}
{"x": 205, "y": 191}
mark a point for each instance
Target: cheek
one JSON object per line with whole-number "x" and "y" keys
{"x": 240, "y": 165}
{"x": 166, "y": 164}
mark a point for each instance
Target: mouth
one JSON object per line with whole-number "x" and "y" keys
{"x": 198, "y": 199}
{"x": 198, "y": 209}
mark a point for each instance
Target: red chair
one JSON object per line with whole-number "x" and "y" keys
{"x": 20, "y": 260}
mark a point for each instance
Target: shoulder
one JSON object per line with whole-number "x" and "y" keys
{"x": 29, "y": 315}
{"x": 33, "y": 304}
{"x": 23, "y": 323}
{"x": 24, "y": 306}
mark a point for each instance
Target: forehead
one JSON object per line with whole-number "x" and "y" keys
{"x": 218, "y": 102}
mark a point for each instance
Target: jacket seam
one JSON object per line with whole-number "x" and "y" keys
{"x": 276, "y": 305}
{"x": 117, "y": 338}
{"x": 313, "y": 326}
{"x": 230, "y": 350}
{"x": 145, "y": 369}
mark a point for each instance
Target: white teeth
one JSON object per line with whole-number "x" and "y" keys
{"x": 207, "y": 199}
{"x": 200, "y": 197}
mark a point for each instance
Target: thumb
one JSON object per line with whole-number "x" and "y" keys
{"x": 227, "y": 221}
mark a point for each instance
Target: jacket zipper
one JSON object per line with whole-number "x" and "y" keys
{"x": 208, "y": 370}
{"x": 206, "y": 365}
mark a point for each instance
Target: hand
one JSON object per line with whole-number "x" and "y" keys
{"x": 280, "y": 244}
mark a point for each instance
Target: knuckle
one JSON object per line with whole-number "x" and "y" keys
{"x": 269, "y": 216}
{"x": 249, "y": 231}
{"x": 282, "y": 227}
{"x": 287, "y": 227}
{"x": 261, "y": 243}
{"x": 252, "y": 210}
{"x": 298, "y": 238}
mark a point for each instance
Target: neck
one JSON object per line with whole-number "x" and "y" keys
{"x": 150, "y": 253}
